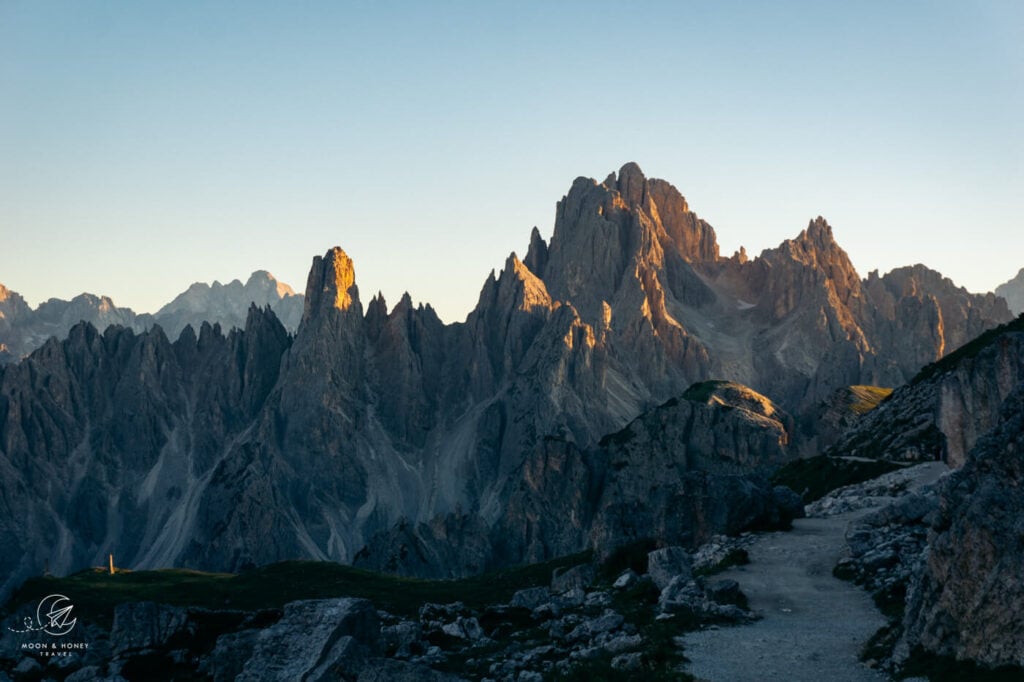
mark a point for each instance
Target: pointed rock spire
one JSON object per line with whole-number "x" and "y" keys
{"x": 537, "y": 255}
{"x": 331, "y": 284}
{"x": 632, "y": 184}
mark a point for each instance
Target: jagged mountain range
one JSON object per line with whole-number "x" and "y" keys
{"x": 23, "y": 329}
{"x": 411, "y": 444}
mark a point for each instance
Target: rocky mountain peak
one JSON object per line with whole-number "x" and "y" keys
{"x": 262, "y": 280}
{"x": 813, "y": 261}
{"x": 632, "y": 184}
{"x": 531, "y": 289}
{"x": 12, "y": 304}
{"x": 537, "y": 254}
{"x": 816, "y": 241}
{"x": 331, "y": 284}
{"x": 1013, "y": 292}
{"x": 404, "y": 305}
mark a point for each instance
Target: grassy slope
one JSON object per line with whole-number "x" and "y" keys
{"x": 815, "y": 477}
{"x": 863, "y": 399}
{"x": 95, "y": 593}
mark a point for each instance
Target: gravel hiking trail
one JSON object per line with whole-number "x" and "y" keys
{"x": 813, "y": 624}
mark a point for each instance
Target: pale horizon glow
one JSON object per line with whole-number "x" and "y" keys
{"x": 146, "y": 146}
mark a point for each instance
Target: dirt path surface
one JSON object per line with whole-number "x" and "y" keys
{"x": 814, "y": 624}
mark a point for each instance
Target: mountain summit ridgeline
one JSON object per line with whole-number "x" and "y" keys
{"x": 386, "y": 437}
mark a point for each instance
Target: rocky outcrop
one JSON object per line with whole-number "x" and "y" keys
{"x": 145, "y": 627}
{"x": 943, "y": 411}
{"x": 834, "y": 416}
{"x": 967, "y": 601}
{"x": 918, "y": 316}
{"x": 315, "y": 640}
{"x": 1013, "y": 292}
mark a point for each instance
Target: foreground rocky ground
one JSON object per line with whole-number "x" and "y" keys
{"x": 617, "y": 619}
{"x": 826, "y": 600}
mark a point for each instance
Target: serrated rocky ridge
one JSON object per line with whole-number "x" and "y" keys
{"x": 23, "y": 329}
{"x": 220, "y": 452}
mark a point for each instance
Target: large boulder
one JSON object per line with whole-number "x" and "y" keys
{"x": 317, "y": 639}
{"x": 667, "y": 563}
{"x": 146, "y": 626}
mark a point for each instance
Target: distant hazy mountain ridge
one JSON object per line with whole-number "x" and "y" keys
{"x": 1013, "y": 292}
{"x": 228, "y": 304}
{"x": 22, "y": 329}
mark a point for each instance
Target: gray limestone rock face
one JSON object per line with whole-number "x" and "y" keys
{"x": 123, "y": 432}
{"x": 227, "y": 660}
{"x": 22, "y": 329}
{"x": 680, "y": 473}
{"x": 141, "y": 626}
{"x": 389, "y": 670}
{"x": 947, "y": 407}
{"x": 575, "y": 577}
{"x": 315, "y": 640}
{"x": 668, "y": 563}
{"x": 531, "y": 598}
{"x": 967, "y": 601}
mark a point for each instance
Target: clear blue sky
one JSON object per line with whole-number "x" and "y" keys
{"x": 147, "y": 145}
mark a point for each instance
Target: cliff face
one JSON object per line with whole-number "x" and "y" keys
{"x": 375, "y": 427}
{"x": 967, "y": 602}
{"x": 688, "y": 469}
{"x": 943, "y": 411}
{"x": 108, "y": 441}
{"x": 796, "y": 322}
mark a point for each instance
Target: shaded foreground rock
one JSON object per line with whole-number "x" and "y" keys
{"x": 316, "y": 640}
{"x": 583, "y": 624}
{"x": 967, "y": 602}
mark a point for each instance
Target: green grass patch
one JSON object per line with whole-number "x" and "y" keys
{"x": 815, "y": 477}
{"x": 96, "y": 593}
{"x": 863, "y": 399}
{"x": 701, "y": 392}
{"x": 661, "y": 657}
